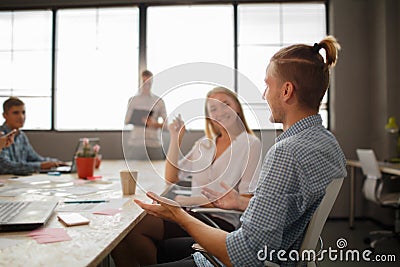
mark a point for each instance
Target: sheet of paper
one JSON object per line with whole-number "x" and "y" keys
{"x": 12, "y": 192}
{"x": 44, "y": 178}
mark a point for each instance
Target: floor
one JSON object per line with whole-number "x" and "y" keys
{"x": 337, "y": 233}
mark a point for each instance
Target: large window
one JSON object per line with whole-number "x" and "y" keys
{"x": 187, "y": 34}
{"x": 265, "y": 28}
{"x": 86, "y": 86}
{"x": 25, "y": 63}
{"x": 97, "y": 66}
{"x": 207, "y": 36}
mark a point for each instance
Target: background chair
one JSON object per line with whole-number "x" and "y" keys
{"x": 314, "y": 227}
{"x": 372, "y": 189}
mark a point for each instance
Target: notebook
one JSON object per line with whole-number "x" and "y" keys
{"x": 24, "y": 215}
{"x": 72, "y": 168}
{"x": 138, "y": 115}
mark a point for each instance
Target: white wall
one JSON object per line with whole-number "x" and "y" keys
{"x": 366, "y": 85}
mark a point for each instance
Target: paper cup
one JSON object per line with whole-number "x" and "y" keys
{"x": 128, "y": 182}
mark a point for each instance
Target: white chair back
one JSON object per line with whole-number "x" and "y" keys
{"x": 318, "y": 220}
{"x": 370, "y": 169}
{"x": 369, "y": 164}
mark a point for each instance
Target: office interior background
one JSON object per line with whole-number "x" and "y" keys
{"x": 364, "y": 89}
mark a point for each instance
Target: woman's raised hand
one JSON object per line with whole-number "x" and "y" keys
{"x": 177, "y": 128}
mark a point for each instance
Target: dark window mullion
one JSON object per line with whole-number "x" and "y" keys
{"x": 53, "y": 69}
{"x": 235, "y": 45}
{"x": 142, "y": 39}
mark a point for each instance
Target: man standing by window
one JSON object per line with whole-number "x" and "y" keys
{"x": 144, "y": 112}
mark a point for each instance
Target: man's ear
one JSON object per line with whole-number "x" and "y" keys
{"x": 287, "y": 91}
{"x": 4, "y": 116}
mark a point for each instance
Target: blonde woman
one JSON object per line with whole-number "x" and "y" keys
{"x": 229, "y": 153}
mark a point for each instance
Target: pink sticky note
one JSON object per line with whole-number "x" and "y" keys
{"x": 94, "y": 177}
{"x": 107, "y": 212}
{"x": 47, "y": 231}
{"x": 49, "y": 235}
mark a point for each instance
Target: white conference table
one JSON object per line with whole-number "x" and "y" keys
{"x": 384, "y": 167}
{"x": 91, "y": 243}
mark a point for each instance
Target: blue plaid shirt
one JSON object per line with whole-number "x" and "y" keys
{"x": 20, "y": 157}
{"x": 294, "y": 176}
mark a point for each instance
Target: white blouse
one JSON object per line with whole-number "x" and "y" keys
{"x": 237, "y": 166}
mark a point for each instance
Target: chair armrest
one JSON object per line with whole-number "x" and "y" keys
{"x": 197, "y": 247}
{"x": 182, "y": 192}
{"x": 202, "y": 212}
{"x": 185, "y": 183}
{"x": 206, "y": 255}
{"x": 216, "y": 210}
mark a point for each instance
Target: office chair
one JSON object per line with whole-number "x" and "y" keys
{"x": 317, "y": 222}
{"x": 372, "y": 190}
{"x": 205, "y": 212}
{"x": 314, "y": 228}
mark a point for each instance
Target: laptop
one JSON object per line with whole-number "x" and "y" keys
{"x": 24, "y": 215}
{"x": 72, "y": 168}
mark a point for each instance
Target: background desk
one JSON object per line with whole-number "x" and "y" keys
{"x": 91, "y": 243}
{"x": 386, "y": 168}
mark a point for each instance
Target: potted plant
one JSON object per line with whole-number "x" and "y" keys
{"x": 86, "y": 159}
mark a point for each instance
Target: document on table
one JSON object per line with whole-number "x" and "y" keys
{"x": 12, "y": 191}
{"x": 42, "y": 179}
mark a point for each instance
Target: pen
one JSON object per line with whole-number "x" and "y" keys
{"x": 84, "y": 201}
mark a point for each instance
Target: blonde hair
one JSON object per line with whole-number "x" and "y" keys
{"x": 304, "y": 67}
{"x": 211, "y": 131}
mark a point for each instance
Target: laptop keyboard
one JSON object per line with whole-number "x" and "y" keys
{"x": 8, "y": 210}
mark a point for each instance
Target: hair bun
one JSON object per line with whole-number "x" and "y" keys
{"x": 316, "y": 48}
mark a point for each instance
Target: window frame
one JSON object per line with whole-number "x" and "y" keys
{"x": 142, "y": 5}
